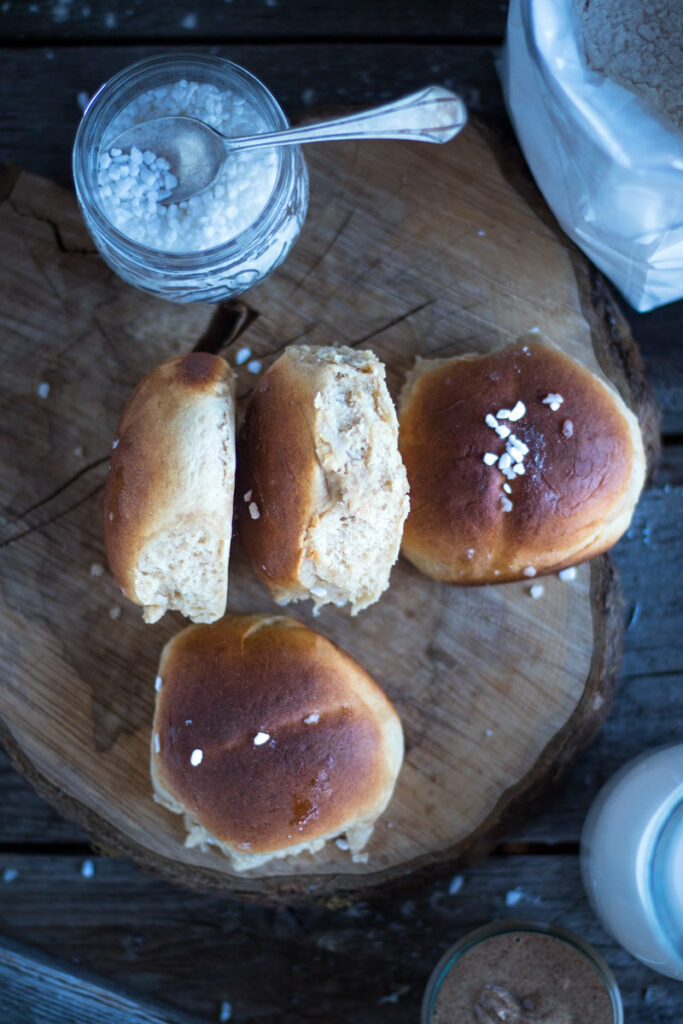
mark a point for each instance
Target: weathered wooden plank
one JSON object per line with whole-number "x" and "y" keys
{"x": 37, "y": 988}
{"x": 659, "y": 335}
{"x": 190, "y": 20}
{"x": 364, "y": 963}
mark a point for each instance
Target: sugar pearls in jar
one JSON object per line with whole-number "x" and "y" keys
{"x": 218, "y": 243}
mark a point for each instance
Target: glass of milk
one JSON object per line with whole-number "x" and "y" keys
{"x": 632, "y": 858}
{"x": 216, "y": 244}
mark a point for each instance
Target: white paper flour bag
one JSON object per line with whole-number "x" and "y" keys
{"x": 608, "y": 157}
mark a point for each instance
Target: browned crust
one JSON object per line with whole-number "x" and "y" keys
{"x": 142, "y": 477}
{"x": 276, "y": 466}
{"x": 574, "y": 487}
{"x": 225, "y": 683}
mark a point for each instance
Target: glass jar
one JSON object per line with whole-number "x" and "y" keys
{"x": 206, "y": 275}
{"x": 593, "y": 974}
{"x": 632, "y": 858}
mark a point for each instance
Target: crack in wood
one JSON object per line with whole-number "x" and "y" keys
{"x": 229, "y": 321}
{"x": 335, "y": 238}
{"x": 54, "y": 226}
{"x": 391, "y": 323}
{"x": 53, "y": 519}
{"x": 60, "y": 489}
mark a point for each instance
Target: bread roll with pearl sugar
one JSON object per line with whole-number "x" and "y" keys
{"x": 169, "y": 493}
{"x": 270, "y": 740}
{"x": 322, "y": 493}
{"x": 467, "y": 422}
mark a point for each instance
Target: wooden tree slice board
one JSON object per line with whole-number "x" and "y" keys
{"x": 407, "y": 249}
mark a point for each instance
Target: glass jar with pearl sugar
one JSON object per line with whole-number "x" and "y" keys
{"x": 218, "y": 243}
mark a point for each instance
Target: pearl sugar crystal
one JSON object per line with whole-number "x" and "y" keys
{"x": 133, "y": 186}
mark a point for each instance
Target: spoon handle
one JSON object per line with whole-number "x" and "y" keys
{"x": 433, "y": 114}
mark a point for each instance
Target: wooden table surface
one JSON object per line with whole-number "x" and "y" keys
{"x": 206, "y": 958}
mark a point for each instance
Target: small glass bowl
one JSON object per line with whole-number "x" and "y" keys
{"x": 488, "y": 931}
{"x": 208, "y": 275}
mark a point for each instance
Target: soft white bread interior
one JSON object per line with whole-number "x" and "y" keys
{"x": 169, "y": 493}
{"x": 322, "y": 492}
{"x": 270, "y": 740}
{"x": 520, "y": 462}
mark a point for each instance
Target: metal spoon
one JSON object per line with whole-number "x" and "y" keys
{"x": 196, "y": 151}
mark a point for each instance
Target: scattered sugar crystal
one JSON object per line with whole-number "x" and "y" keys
{"x": 537, "y": 590}
{"x": 225, "y": 1012}
{"x": 519, "y": 469}
{"x": 78, "y": 451}
{"x": 242, "y": 355}
{"x": 567, "y": 428}
{"x": 110, "y": 22}
{"x": 319, "y": 591}
{"x": 111, "y": 517}
{"x": 481, "y": 233}
{"x": 253, "y": 510}
{"x": 87, "y": 869}
{"x": 505, "y": 461}
{"x": 115, "y": 443}
{"x": 196, "y": 757}
{"x": 254, "y": 366}
{"x": 133, "y": 189}
{"x": 342, "y": 843}
{"x": 96, "y": 569}
{"x": 567, "y": 574}
{"x": 115, "y": 612}
{"x": 455, "y": 885}
{"x": 517, "y": 412}
{"x": 491, "y": 421}
{"x": 513, "y": 897}
{"x": 157, "y": 743}
{"x": 158, "y": 683}
{"x": 313, "y": 718}
{"x": 505, "y": 503}
{"x": 490, "y": 459}
{"x": 469, "y": 553}
{"x": 260, "y": 738}
{"x": 489, "y": 732}
{"x": 189, "y": 21}
{"x": 10, "y": 875}
{"x": 507, "y": 488}
{"x": 529, "y": 571}
{"x": 502, "y": 430}
{"x": 247, "y": 495}
{"x": 503, "y": 414}
{"x": 43, "y": 389}
{"x": 554, "y": 401}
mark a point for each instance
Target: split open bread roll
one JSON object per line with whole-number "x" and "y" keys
{"x": 322, "y": 492}
{"x": 168, "y": 497}
{"x": 270, "y": 739}
{"x": 467, "y": 423}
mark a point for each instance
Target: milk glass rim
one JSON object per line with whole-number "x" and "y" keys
{"x": 105, "y": 98}
{"x": 502, "y": 927}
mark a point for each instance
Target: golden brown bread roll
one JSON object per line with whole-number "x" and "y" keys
{"x": 270, "y": 739}
{"x": 520, "y": 462}
{"x": 168, "y": 496}
{"x": 322, "y": 493}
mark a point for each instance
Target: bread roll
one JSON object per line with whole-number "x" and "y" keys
{"x": 168, "y": 497}
{"x": 270, "y": 739}
{"x": 466, "y": 423}
{"x": 322, "y": 492}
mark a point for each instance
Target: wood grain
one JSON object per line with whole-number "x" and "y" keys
{"x": 409, "y": 252}
{"x": 364, "y": 963}
{"x": 38, "y": 988}
{"x": 45, "y": 21}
